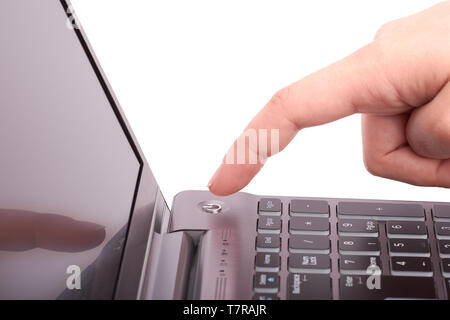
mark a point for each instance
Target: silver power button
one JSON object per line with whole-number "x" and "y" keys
{"x": 213, "y": 208}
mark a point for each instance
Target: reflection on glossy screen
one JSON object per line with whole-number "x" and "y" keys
{"x": 67, "y": 170}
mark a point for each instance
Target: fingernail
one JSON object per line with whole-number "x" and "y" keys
{"x": 93, "y": 226}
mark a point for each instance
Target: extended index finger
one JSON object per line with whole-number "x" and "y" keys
{"x": 354, "y": 84}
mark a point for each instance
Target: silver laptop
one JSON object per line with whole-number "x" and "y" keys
{"x": 82, "y": 217}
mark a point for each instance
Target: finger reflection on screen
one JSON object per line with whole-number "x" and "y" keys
{"x": 25, "y": 230}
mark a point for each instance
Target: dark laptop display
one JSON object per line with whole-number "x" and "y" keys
{"x": 68, "y": 173}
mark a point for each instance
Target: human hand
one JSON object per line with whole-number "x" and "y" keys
{"x": 399, "y": 82}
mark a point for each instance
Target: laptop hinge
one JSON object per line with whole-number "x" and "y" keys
{"x": 169, "y": 267}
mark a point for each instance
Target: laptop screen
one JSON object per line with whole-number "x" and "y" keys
{"x": 68, "y": 173}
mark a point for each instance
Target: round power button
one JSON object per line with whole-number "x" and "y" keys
{"x": 213, "y": 208}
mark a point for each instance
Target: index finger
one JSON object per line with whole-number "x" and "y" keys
{"x": 354, "y": 84}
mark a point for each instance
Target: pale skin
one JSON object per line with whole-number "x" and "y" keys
{"x": 399, "y": 83}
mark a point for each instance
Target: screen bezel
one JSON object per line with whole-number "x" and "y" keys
{"x": 142, "y": 209}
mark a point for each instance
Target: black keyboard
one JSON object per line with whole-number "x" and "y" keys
{"x": 352, "y": 250}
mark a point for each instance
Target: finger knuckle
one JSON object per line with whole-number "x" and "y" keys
{"x": 385, "y": 29}
{"x": 281, "y": 104}
{"x": 280, "y": 99}
{"x": 374, "y": 164}
{"x": 441, "y": 131}
{"x": 429, "y": 136}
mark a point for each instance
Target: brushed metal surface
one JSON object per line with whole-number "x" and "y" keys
{"x": 229, "y": 274}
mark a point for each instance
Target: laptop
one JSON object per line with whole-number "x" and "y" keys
{"x": 82, "y": 217}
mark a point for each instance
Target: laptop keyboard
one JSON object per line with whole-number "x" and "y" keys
{"x": 382, "y": 250}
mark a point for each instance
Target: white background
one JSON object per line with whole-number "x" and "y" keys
{"x": 191, "y": 74}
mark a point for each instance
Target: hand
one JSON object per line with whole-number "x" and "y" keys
{"x": 24, "y": 230}
{"x": 399, "y": 82}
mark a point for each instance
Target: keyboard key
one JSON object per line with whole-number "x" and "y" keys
{"x": 406, "y": 229}
{"x": 358, "y": 264}
{"x": 268, "y": 243}
{"x": 442, "y": 230}
{"x": 309, "y": 225}
{"x": 309, "y": 208}
{"x": 267, "y": 262}
{"x": 409, "y": 247}
{"x": 309, "y": 244}
{"x": 380, "y": 211}
{"x": 445, "y": 264}
{"x": 359, "y": 246}
{"x": 391, "y": 287}
{"x": 441, "y": 213}
{"x": 267, "y": 296}
{"x": 301, "y": 263}
{"x": 444, "y": 248}
{"x": 269, "y": 207}
{"x": 308, "y": 287}
{"x": 411, "y": 266}
{"x": 268, "y": 224}
{"x": 266, "y": 282}
{"x": 447, "y": 286}
{"x": 360, "y": 228}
